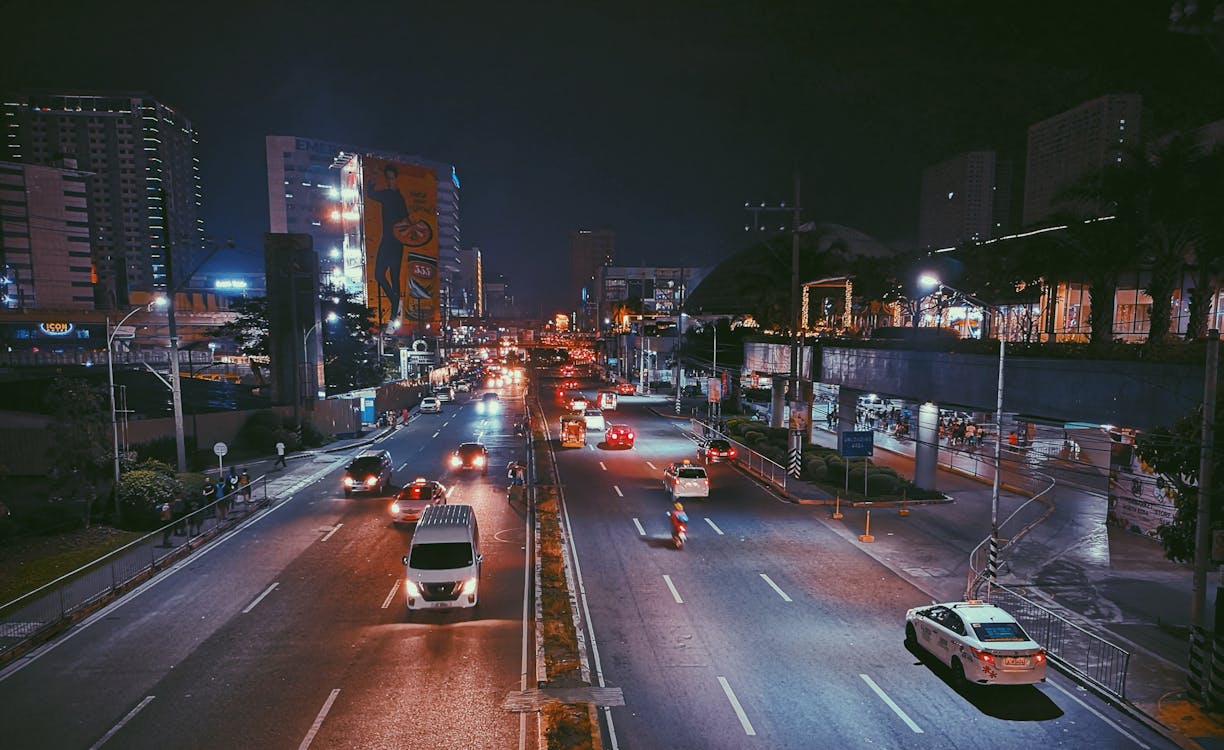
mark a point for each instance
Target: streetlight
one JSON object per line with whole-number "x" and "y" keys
{"x": 932, "y": 281}
{"x": 331, "y": 317}
{"x": 110, "y": 371}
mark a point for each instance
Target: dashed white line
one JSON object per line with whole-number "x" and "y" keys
{"x": 1100, "y": 716}
{"x": 712, "y": 526}
{"x": 113, "y": 730}
{"x": 328, "y": 535}
{"x": 618, "y": 492}
{"x": 638, "y": 524}
{"x": 260, "y": 598}
{"x": 439, "y": 432}
{"x": 318, "y": 722}
{"x": 735, "y": 704}
{"x": 602, "y": 466}
{"x": 652, "y": 466}
{"x": 774, "y": 586}
{"x": 896, "y": 709}
{"x": 445, "y": 423}
{"x": 403, "y": 466}
{"x": 675, "y": 594}
{"x": 394, "y": 589}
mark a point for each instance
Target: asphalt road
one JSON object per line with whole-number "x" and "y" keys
{"x": 769, "y": 629}
{"x": 293, "y": 631}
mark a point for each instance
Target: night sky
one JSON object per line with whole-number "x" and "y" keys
{"x": 657, "y": 119}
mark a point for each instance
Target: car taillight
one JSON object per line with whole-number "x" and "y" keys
{"x": 1039, "y": 657}
{"x": 731, "y": 453}
{"x": 983, "y": 656}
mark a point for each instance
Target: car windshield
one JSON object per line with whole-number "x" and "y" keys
{"x": 719, "y": 445}
{"x": 490, "y": 397}
{"x": 440, "y": 556}
{"x": 999, "y": 631}
{"x": 692, "y": 474}
{"x": 470, "y": 450}
{"x": 594, "y": 413}
{"x": 364, "y": 466}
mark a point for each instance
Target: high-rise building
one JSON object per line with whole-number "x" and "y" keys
{"x": 144, "y": 193}
{"x": 304, "y": 197}
{"x": 589, "y": 250}
{"x": 44, "y": 238}
{"x": 469, "y": 296}
{"x": 960, "y": 200}
{"x": 498, "y": 297}
{"x": 1071, "y": 145}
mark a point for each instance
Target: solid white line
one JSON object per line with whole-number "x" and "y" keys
{"x": 735, "y": 704}
{"x": 259, "y": 598}
{"x": 390, "y": 596}
{"x": 318, "y": 722}
{"x": 775, "y": 587}
{"x": 712, "y": 526}
{"x": 130, "y": 715}
{"x": 675, "y": 594}
{"x": 652, "y": 466}
{"x": 602, "y": 466}
{"x": 638, "y": 524}
{"x": 896, "y": 709}
{"x": 1100, "y": 716}
{"x": 618, "y": 492}
{"x": 333, "y": 531}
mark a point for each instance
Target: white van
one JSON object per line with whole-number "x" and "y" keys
{"x": 443, "y": 563}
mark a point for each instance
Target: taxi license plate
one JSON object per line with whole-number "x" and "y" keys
{"x": 439, "y": 604}
{"x": 1015, "y": 661}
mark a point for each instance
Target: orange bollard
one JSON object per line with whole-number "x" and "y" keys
{"x": 837, "y": 507}
{"x": 867, "y": 537}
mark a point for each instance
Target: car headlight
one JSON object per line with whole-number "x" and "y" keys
{"x": 348, "y": 481}
{"x": 469, "y": 586}
{"x": 395, "y": 507}
{"x": 371, "y": 481}
{"x": 478, "y": 461}
{"x": 413, "y": 591}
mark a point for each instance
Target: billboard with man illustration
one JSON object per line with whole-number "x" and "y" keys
{"x": 401, "y": 233}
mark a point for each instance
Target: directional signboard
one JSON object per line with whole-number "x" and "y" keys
{"x": 856, "y": 443}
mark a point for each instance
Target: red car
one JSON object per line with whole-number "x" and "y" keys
{"x": 619, "y": 436}
{"x": 626, "y": 389}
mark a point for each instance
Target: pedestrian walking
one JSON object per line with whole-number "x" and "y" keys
{"x": 404, "y": 415}
{"x": 244, "y": 483}
{"x": 219, "y": 494}
{"x": 231, "y": 482}
{"x": 280, "y": 456}
{"x": 194, "y": 518}
{"x": 166, "y": 516}
{"x": 178, "y": 510}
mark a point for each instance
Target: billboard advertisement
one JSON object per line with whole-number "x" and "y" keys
{"x": 401, "y": 234}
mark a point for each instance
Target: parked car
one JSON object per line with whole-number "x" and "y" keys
{"x": 715, "y": 450}
{"x": 594, "y": 419}
{"x": 412, "y": 500}
{"x": 431, "y": 405}
{"x": 369, "y": 471}
{"x": 979, "y": 642}
{"x": 619, "y": 436}
{"x": 470, "y": 456}
{"x": 685, "y": 480}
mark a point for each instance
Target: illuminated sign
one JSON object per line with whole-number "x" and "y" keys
{"x": 229, "y": 284}
{"x": 56, "y": 328}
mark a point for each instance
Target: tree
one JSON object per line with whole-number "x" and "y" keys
{"x": 350, "y": 352}
{"x": 764, "y": 280}
{"x": 80, "y": 445}
{"x": 1206, "y": 196}
{"x": 249, "y": 332}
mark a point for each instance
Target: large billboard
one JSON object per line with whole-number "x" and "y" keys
{"x": 401, "y": 235}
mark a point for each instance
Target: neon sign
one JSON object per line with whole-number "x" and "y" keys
{"x": 55, "y": 328}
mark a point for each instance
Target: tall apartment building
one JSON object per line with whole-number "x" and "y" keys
{"x": 44, "y": 238}
{"x": 144, "y": 192}
{"x": 498, "y": 297}
{"x": 469, "y": 292}
{"x": 590, "y": 249}
{"x": 1068, "y": 146}
{"x": 965, "y": 198}
{"x": 304, "y": 198}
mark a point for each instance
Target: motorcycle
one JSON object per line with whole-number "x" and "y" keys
{"x": 679, "y": 530}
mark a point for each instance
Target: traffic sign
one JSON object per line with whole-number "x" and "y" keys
{"x": 124, "y": 332}
{"x": 220, "y": 449}
{"x": 856, "y": 443}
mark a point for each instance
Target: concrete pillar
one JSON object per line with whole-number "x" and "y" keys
{"x": 777, "y": 401}
{"x": 847, "y": 403}
{"x": 926, "y": 447}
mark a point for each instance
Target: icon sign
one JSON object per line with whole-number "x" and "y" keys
{"x": 856, "y": 443}
{"x": 220, "y": 449}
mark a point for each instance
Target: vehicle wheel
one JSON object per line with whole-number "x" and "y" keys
{"x": 911, "y": 638}
{"x": 958, "y": 673}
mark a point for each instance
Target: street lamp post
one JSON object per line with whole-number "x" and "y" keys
{"x": 110, "y": 372}
{"x": 992, "y": 564}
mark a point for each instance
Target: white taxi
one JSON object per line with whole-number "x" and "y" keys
{"x": 683, "y": 479}
{"x": 594, "y": 419}
{"x": 980, "y": 643}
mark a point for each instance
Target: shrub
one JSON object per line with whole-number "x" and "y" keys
{"x": 836, "y": 470}
{"x": 817, "y": 469}
{"x": 264, "y": 429}
{"x": 880, "y": 483}
{"x": 141, "y": 491}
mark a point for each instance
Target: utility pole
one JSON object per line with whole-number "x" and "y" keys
{"x": 1200, "y": 648}
{"x": 176, "y": 393}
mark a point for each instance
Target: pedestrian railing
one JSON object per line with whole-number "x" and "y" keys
{"x": 751, "y": 461}
{"x": 1077, "y": 650}
{"x": 41, "y": 612}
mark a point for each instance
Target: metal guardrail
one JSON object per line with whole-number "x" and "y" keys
{"x": 41, "y": 611}
{"x": 1089, "y": 656}
{"x": 754, "y": 463}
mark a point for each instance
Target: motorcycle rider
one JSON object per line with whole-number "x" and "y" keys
{"x": 678, "y": 517}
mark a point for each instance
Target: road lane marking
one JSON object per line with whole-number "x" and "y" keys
{"x": 130, "y": 715}
{"x": 896, "y": 709}
{"x": 675, "y": 594}
{"x": 652, "y": 466}
{"x": 712, "y": 526}
{"x": 775, "y": 587}
{"x": 735, "y": 704}
{"x": 618, "y": 492}
{"x": 260, "y": 598}
{"x": 403, "y": 466}
{"x": 390, "y": 596}
{"x": 602, "y": 466}
{"x": 1101, "y": 716}
{"x": 638, "y": 524}
{"x": 439, "y": 432}
{"x": 328, "y": 535}
{"x": 318, "y": 722}
{"x": 445, "y": 424}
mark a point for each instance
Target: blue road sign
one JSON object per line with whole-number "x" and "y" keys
{"x": 856, "y": 443}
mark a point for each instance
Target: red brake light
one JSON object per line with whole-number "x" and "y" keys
{"x": 984, "y": 656}
{"x": 731, "y": 452}
{"x": 1039, "y": 657}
